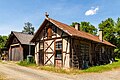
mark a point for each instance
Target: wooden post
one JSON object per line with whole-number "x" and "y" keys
{"x": 29, "y": 48}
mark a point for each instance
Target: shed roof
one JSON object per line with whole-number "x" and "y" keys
{"x": 23, "y": 38}
{"x": 71, "y": 31}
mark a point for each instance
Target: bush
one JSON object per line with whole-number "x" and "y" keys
{"x": 117, "y": 52}
{"x": 26, "y": 63}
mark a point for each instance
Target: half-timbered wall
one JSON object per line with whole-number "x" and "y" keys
{"x": 51, "y": 53}
{"x": 66, "y": 52}
{"x": 37, "y": 53}
{"x": 55, "y": 47}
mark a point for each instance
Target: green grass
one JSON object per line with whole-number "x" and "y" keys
{"x": 98, "y": 69}
{"x": 103, "y": 68}
{"x": 49, "y": 68}
{"x": 25, "y": 63}
{"x": 60, "y": 70}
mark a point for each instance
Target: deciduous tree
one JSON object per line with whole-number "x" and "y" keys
{"x": 87, "y": 27}
{"x": 108, "y": 27}
{"x": 3, "y": 40}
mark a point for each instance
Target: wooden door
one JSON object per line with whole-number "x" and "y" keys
{"x": 15, "y": 54}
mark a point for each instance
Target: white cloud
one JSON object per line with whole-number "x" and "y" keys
{"x": 92, "y": 11}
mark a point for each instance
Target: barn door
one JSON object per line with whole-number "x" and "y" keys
{"x": 15, "y": 54}
{"x": 58, "y": 55}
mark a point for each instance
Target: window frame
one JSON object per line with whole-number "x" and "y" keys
{"x": 59, "y": 49}
{"x": 58, "y": 45}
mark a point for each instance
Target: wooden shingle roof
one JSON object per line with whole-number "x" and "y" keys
{"x": 72, "y": 32}
{"x": 23, "y": 38}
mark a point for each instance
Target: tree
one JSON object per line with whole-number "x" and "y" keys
{"x": 87, "y": 27}
{"x": 108, "y": 27}
{"x": 118, "y": 31}
{"x": 3, "y": 40}
{"x": 28, "y": 28}
{"x": 117, "y": 26}
{"x": 111, "y": 33}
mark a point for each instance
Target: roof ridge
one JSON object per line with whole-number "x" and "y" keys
{"x": 21, "y": 33}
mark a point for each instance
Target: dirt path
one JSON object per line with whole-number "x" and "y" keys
{"x": 15, "y": 72}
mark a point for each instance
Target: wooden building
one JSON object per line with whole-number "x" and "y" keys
{"x": 19, "y": 46}
{"x": 64, "y": 46}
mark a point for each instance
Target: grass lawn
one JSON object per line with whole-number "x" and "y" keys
{"x": 103, "y": 68}
{"x": 99, "y": 69}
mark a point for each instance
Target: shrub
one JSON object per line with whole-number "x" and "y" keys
{"x": 25, "y": 63}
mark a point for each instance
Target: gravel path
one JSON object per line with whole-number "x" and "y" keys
{"x": 15, "y": 72}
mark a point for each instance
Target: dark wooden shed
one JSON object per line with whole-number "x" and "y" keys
{"x": 19, "y": 46}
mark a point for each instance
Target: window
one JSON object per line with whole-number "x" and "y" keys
{"x": 59, "y": 45}
{"x": 58, "y": 54}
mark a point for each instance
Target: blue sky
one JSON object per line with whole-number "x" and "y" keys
{"x": 14, "y": 13}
